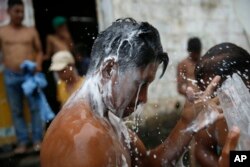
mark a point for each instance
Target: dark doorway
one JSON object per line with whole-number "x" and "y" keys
{"x": 81, "y": 16}
{"x": 82, "y": 23}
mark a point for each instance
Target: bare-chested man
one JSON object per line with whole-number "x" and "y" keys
{"x": 185, "y": 69}
{"x": 61, "y": 40}
{"x": 89, "y": 130}
{"x": 185, "y": 79}
{"x": 223, "y": 59}
{"x": 19, "y": 43}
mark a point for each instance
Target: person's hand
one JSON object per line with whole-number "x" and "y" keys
{"x": 206, "y": 107}
{"x": 231, "y": 142}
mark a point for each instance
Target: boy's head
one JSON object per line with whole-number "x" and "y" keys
{"x": 64, "y": 64}
{"x": 224, "y": 60}
{"x": 194, "y": 47}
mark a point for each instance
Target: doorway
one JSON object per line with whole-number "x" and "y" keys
{"x": 81, "y": 19}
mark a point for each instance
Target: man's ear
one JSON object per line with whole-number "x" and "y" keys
{"x": 109, "y": 68}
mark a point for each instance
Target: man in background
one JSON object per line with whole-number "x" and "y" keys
{"x": 185, "y": 70}
{"x": 186, "y": 78}
{"x": 63, "y": 64}
{"x": 19, "y": 43}
{"x": 61, "y": 39}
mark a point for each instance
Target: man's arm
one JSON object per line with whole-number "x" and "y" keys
{"x": 181, "y": 79}
{"x": 166, "y": 153}
{"x": 38, "y": 49}
{"x": 231, "y": 143}
{"x": 49, "y": 47}
{"x": 179, "y": 138}
{"x": 205, "y": 149}
{"x": 176, "y": 143}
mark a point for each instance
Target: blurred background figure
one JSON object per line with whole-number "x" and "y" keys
{"x": 61, "y": 39}
{"x": 185, "y": 69}
{"x": 63, "y": 64}
{"x": 19, "y": 43}
{"x": 186, "y": 78}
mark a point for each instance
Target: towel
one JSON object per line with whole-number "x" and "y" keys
{"x": 32, "y": 86}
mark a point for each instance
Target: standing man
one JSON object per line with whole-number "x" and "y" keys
{"x": 19, "y": 43}
{"x": 185, "y": 70}
{"x": 186, "y": 78}
{"x": 61, "y": 40}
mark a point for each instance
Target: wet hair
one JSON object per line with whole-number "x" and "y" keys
{"x": 134, "y": 44}
{"x": 223, "y": 59}
{"x": 12, "y": 3}
{"x": 194, "y": 45}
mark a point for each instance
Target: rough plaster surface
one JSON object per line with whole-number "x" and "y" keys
{"x": 214, "y": 21}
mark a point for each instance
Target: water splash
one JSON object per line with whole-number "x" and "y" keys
{"x": 205, "y": 118}
{"x": 234, "y": 99}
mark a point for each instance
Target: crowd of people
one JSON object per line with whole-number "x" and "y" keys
{"x": 89, "y": 130}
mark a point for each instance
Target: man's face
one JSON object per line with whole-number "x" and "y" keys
{"x": 129, "y": 89}
{"x": 16, "y": 13}
{"x": 61, "y": 30}
{"x": 66, "y": 74}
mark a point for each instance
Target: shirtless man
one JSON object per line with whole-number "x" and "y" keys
{"x": 224, "y": 60}
{"x": 19, "y": 43}
{"x": 61, "y": 40}
{"x": 89, "y": 130}
{"x": 185, "y": 69}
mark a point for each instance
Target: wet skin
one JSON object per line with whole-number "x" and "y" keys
{"x": 79, "y": 137}
{"x": 185, "y": 72}
{"x": 59, "y": 41}
{"x": 211, "y": 139}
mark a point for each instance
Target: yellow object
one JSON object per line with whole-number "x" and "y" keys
{"x": 63, "y": 94}
{"x": 7, "y": 131}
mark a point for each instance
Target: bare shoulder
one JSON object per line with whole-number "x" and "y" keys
{"x": 32, "y": 30}
{"x": 3, "y": 29}
{"x": 186, "y": 61}
{"x": 183, "y": 63}
{"x": 69, "y": 115}
{"x": 78, "y": 119}
{"x": 78, "y": 138}
{"x": 50, "y": 37}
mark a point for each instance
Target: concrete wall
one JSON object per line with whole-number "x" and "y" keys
{"x": 214, "y": 21}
